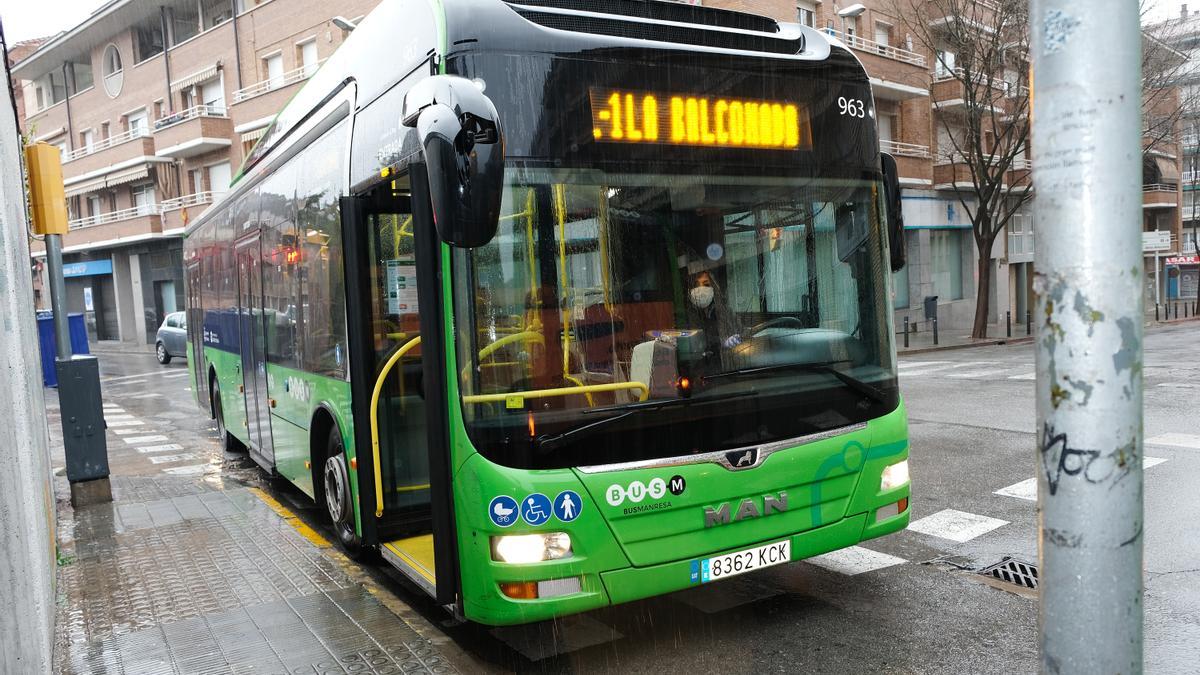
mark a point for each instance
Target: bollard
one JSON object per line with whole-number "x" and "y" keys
{"x": 1176, "y": 310}
{"x": 1185, "y": 310}
{"x": 1156, "y": 312}
{"x": 935, "y": 335}
{"x": 906, "y": 332}
{"x": 1008, "y": 323}
{"x": 1029, "y": 323}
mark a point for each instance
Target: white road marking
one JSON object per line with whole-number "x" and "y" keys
{"x": 120, "y": 416}
{"x": 918, "y": 364}
{"x": 167, "y": 377}
{"x": 122, "y": 432}
{"x": 124, "y": 423}
{"x": 1026, "y": 376}
{"x": 1179, "y": 440}
{"x": 1027, "y": 489}
{"x": 147, "y": 395}
{"x": 132, "y": 377}
{"x": 855, "y": 560}
{"x": 954, "y": 525}
{"x": 111, "y": 406}
{"x": 190, "y": 470}
{"x": 165, "y": 447}
{"x": 977, "y": 374}
{"x": 134, "y": 440}
{"x": 167, "y": 459}
{"x": 142, "y": 381}
{"x": 944, "y": 366}
{"x": 1179, "y": 385}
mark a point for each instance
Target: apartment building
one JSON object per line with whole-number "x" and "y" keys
{"x": 1177, "y": 264}
{"x": 154, "y": 106}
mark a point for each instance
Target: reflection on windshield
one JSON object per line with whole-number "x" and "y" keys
{"x": 600, "y": 291}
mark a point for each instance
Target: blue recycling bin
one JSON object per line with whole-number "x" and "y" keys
{"x": 79, "y": 342}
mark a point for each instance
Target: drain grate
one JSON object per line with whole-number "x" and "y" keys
{"x": 1013, "y": 571}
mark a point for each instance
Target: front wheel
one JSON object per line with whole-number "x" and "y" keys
{"x": 338, "y": 502}
{"x": 228, "y": 442}
{"x": 160, "y": 351}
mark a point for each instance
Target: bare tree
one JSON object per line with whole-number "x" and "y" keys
{"x": 980, "y": 49}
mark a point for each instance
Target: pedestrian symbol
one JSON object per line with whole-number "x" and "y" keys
{"x": 536, "y": 509}
{"x": 503, "y": 511}
{"x": 567, "y": 506}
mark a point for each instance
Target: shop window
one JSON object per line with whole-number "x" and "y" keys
{"x": 945, "y": 252}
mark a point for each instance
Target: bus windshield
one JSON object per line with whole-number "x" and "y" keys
{"x": 619, "y": 317}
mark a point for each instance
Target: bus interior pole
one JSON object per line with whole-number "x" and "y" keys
{"x": 58, "y": 295}
{"x": 1086, "y": 79}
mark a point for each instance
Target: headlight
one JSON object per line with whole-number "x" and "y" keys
{"x": 894, "y": 476}
{"x": 531, "y": 548}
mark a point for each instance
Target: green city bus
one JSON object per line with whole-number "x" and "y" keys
{"x": 560, "y": 304}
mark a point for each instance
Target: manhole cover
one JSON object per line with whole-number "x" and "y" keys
{"x": 1013, "y": 571}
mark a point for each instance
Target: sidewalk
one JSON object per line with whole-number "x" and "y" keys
{"x": 205, "y": 572}
{"x": 922, "y": 341}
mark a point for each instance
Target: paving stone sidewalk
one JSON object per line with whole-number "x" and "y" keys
{"x": 187, "y": 574}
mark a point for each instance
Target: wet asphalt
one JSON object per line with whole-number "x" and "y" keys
{"x": 972, "y": 432}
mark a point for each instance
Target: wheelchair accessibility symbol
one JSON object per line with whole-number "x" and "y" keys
{"x": 536, "y": 509}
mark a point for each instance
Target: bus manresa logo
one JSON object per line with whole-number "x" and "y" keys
{"x": 635, "y": 492}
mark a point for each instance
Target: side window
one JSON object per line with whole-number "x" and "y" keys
{"x": 182, "y": 319}
{"x": 172, "y": 321}
{"x": 281, "y": 265}
{"x": 322, "y": 308}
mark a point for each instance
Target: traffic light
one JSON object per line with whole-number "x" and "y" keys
{"x": 47, "y": 199}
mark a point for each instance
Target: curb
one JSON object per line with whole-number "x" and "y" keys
{"x": 989, "y": 342}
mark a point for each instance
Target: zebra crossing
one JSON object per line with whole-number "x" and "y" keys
{"x": 967, "y": 370}
{"x": 155, "y": 447}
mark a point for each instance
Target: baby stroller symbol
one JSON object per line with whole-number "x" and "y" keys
{"x": 503, "y": 511}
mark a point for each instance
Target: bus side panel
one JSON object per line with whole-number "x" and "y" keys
{"x": 228, "y": 367}
{"x": 297, "y": 395}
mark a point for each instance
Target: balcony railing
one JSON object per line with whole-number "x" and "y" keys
{"x": 271, "y": 84}
{"x": 193, "y": 112}
{"x": 1020, "y": 244}
{"x": 115, "y": 216}
{"x": 905, "y": 149}
{"x": 1191, "y": 176}
{"x": 118, "y": 139}
{"x": 862, "y": 44}
{"x": 206, "y": 197}
{"x": 1159, "y": 187}
{"x": 1022, "y": 164}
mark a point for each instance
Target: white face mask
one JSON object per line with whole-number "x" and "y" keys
{"x": 702, "y": 296}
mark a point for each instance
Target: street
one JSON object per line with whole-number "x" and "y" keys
{"x": 911, "y": 602}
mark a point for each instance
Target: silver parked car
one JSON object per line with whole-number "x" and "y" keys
{"x": 172, "y": 337}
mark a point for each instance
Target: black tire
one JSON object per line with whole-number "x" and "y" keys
{"x": 335, "y": 482}
{"x": 160, "y": 352}
{"x": 228, "y": 441}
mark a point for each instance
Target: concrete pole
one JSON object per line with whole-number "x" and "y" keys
{"x": 27, "y": 543}
{"x": 1087, "y": 136}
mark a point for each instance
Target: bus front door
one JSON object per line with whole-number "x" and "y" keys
{"x": 254, "y": 368}
{"x": 392, "y": 378}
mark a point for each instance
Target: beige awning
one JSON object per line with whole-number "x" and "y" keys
{"x": 85, "y": 187}
{"x": 1166, "y": 167}
{"x": 251, "y": 136}
{"x": 195, "y": 78}
{"x": 127, "y": 175}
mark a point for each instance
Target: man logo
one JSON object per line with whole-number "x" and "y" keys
{"x": 742, "y": 459}
{"x": 747, "y": 509}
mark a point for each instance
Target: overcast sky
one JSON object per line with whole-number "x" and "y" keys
{"x": 25, "y": 19}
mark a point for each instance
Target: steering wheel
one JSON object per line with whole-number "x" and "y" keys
{"x": 755, "y": 330}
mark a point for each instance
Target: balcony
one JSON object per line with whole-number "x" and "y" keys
{"x": 949, "y": 90}
{"x": 125, "y": 147}
{"x": 1160, "y": 196}
{"x": 139, "y": 220}
{"x": 180, "y": 211}
{"x": 860, "y": 44}
{"x": 912, "y": 162}
{"x": 283, "y": 80}
{"x": 1190, "y": 177}
{"x": 899, "y": 149}
{"x": 194, "y": 131}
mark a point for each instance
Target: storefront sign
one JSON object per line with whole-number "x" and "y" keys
{"x": 1183, "y": 260}
{"x": 87, "y": 268}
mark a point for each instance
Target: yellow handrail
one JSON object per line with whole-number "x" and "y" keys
{"x": 387, "y": 368}
{"x": 579, "y": 383}
{"x": 560, "y": 391}
{"x": 560, "y": 213}
{"x": 487, "y": 351}
{"x": 602, "y": 218}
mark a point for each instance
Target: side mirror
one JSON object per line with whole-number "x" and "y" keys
{"x": 895, "y": 219}
{"x": 459, "y": 131}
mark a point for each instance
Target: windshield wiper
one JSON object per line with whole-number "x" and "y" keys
{"x": 550, "y": 443}
{"x": 868, "y": 390}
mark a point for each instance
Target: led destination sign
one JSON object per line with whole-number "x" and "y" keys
{"x": 620, "y": 116}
